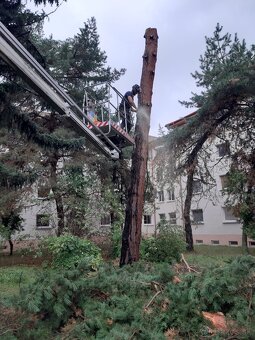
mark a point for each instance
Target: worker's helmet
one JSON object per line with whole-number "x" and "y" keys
{"x": 135, "y": 89}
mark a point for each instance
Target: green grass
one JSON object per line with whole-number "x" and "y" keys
{"x": 221, "y": 250}
{"x": 12, "y": 277}
{"x": 206, "y": 256}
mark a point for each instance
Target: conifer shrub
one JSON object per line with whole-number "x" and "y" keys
{"x": 67, "y": 251}
{"x": 225, "y": 289}
{"x": 139, "y": 301}
{"x": 55, "y": 296}
{"x": 103, "y": 303}
{"x": 166, "y": 246}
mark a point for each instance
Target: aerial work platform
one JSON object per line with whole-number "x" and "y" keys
{"x": 112, "y": 129}
{"x": 13, "y": 53}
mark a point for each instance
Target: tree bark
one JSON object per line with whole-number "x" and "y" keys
{"x": 247, "y": 219}
{"x": 187, "y": 206}
{"x": 245, "y": 242}
{"x": 131, "y": 236}
{"x": 57, "y": 196}
{"x": 11, "y": 246}
{"x": 191, "y": 164}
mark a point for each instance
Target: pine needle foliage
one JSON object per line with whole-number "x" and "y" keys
{"x": 224, "y": 289}
{"x": 53, "y": 294}
{"x": 139, "y": 301}
{"x": 224, "y": 109}
{"x": 103, "y": 303}
{"x": 10, "y": 178}
{"x": 46, "y": 140}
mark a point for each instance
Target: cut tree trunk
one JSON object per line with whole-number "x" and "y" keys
{"x": 131, "y": 236}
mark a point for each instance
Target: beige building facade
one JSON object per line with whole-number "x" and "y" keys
{"x": 212, "y": 222}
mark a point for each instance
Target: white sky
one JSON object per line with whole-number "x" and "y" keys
{"x": 182, "y": 26}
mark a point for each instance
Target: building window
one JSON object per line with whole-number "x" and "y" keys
{"x": 223, "y": 149}
{"x": 171, "y": 196}
{"x": 146, "y": 219}
{"x": 161, "y": 196}
{"x": 224, "y": 181}
{"x": 251, "y": 243}
{"x": 233, "y": 243}
{"x": 197, "y": 216}
{"x": 197, "y": 187}
{"x": 162, "y": 217}
{"x": 199, "y": 241}
{"x": 106, "y": 220}
{"x": 228, "y": 213}
{"x": 172, "y": 217}
{"x": 215, "y": 242}
{"x": 42, "y": 220}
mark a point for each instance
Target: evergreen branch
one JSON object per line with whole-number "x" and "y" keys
{"x": 33, "y": 132}
{"x": 43, "y": 16}
{"x": 11, "y": 178}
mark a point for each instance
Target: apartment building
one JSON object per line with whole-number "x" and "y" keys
{"x": 212, "y": 222}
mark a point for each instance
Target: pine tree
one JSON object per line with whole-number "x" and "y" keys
{"x": 226, "y": 103}
{"x": 80, "y": 62}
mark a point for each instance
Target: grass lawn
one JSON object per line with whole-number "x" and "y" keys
{"x": 12, "y": 277}
{"x": 205, "y": 256}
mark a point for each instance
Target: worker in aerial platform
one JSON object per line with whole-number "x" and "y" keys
{"x": 127, "y": 106}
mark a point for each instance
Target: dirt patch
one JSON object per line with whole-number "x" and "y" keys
{"x": 19, "y": 245}
{"x": 18, "y": 259}
{"x": 10, "y": 320}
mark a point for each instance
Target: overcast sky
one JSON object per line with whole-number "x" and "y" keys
{"x": 182, "y": 26}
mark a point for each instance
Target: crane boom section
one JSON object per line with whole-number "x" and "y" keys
{"x": 12, "y": 52}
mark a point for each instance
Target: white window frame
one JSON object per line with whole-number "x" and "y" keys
{"x": 161, "y": 197}
{"x": 227, "y": 213}
{"x": 233, "y": 243}
{"x": 197, "y": 186}
{"x": 162, "y": 217}
{"x": 144, "y": 219}
{"x": 107, "y": 219}
{"x": 223, "y": 149}
{"x": 41, "y": 216}
{"x": 172, "y": 220}
{"x": 224, "y": 181}
{"x": 171, "y": 194}
{"x": 194, "y": 221}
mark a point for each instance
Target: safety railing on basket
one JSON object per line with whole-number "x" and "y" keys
{"x": 102, "y": 111}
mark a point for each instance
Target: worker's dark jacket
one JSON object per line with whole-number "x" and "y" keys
{"x": 125, "y": 99}
{"x": 126, "y": 122}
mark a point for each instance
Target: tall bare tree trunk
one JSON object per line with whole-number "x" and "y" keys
{"x": 131, "y": 236}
